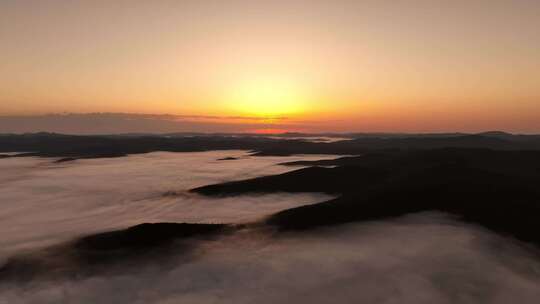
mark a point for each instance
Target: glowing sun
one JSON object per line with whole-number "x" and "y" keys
{"x": 267, "y": 98}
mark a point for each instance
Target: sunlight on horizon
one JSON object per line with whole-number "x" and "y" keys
{"x": 341, "y": 65}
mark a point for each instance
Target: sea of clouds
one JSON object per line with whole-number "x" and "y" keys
{"x": 420, "y": 258}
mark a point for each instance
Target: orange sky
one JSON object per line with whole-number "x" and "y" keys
{"x": 410, "y": 66}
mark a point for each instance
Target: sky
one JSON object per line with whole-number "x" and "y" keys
{"x": 296, "y": 65}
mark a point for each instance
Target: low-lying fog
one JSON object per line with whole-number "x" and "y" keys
{"x": 44, "y": 202}
{"x": 417, "y": 259}
{"x": 422, "y": 258}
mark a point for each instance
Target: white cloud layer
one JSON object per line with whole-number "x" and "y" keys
{"x": 424, "y": 258}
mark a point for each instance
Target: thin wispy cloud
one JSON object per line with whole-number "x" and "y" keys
{"x": 114, "y": 123}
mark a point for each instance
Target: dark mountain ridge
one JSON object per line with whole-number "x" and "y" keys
{"x": 72, "y": 146}
{"x": 496, "y": 189}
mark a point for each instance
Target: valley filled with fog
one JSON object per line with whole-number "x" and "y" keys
{"x": 45, "y": 202}
{"x": 420, "y": 258}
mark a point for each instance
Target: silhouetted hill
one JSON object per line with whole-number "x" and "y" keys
{"x": 102, "y": 251}
{"x": 144, "y": 236}
{"x": 499, "y": 134}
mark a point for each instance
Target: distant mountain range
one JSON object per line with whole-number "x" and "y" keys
{"x": 95, "y": 146}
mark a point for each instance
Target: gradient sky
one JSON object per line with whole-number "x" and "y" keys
{"x": 302, "y": 65}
